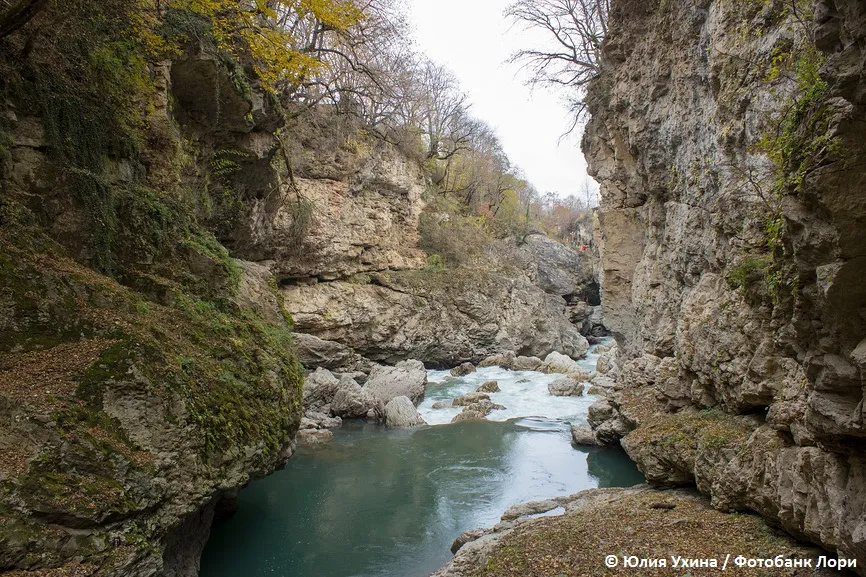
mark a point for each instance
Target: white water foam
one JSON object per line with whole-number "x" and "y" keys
{"x": 523, "y": 394}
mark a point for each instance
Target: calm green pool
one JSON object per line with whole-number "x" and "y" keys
{"x": 387, "y": 503}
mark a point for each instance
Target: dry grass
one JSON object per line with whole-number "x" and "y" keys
{"x": 13, "y": 462}
{"x": 45, "y": 379}
{"x": 650, "y": 525}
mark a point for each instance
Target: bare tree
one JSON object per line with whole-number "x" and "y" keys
{"x": 571, "y": 56}
{"x": 444, "y": 112}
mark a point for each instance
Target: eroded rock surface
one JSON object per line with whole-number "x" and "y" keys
{"x": 408, "y": 378}
{"x": 444, "y": 318}
{"x": 740, "y": 341}
{"x": 400, "y": 413}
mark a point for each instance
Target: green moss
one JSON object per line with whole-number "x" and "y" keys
{"x": 114, "y": 364}
{"x": 752, "y": 275}
{"x": 798, "y": 141}
{"x": 92, "y": 497}
{"x": 684, "y": 434}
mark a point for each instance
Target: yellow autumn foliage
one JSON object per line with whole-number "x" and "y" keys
{"x": 267, "y": 31}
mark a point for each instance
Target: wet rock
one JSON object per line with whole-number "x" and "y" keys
{"x": 562, "y": 364}
{"x": 470, "y": 398}
{"x": 463, "y": 370}
{"x": 470, "y": 414}
{"x": 488, "y": 387}
{"x": 504, "y": 360}
{"x": 311, "y": 437}
{"x": 526, "y": 364}
{"x": 320, "y": 420}
{"x": 320, "y": 386}
{"x": 351, "y": 401}
{"x": 599, "y": 412}
{"x": 477, "y": 410}
{"x": 565, "y": 387}
{"x": 583, "y": 436}
{"x": 467, "y": 537}
{"x": 408, "y": 378}
{"x": 443, "y": 405}
{"x": 400, "y": 413}
{"x": 608, "y": 424}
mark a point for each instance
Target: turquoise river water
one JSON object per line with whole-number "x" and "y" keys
{"x": 389, "y": 503}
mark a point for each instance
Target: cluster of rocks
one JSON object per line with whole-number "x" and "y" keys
{"x": 385, "y": 394}
{"x": 477, "y": 405}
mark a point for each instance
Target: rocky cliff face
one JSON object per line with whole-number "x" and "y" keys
{"x": 144, "y": 374}
{"x": 728, "y": 138}
{"x": 360, "y": 289}
{"x": 442, "y": 317}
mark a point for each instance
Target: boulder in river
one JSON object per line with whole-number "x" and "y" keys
{"x": 320, "y": 420}
{"x": 320, "y": 386}
{"x": 463, "y": 370}
{"x": 477, "y": 410}
{"x": 314, "y": 436}
{"x": 559, "y": 363}
{"x": 354, "y": 402}
{"x": 503, "y": 360}
{"x": 526, "y": 364}
{"x": 400, "y": 413}
{"x": 405, "y": 379}
{"x": 443, "y": 405}
{"x": 488, "y": 387}
{"x": 583, "y": 436}
{"x": 469, "y": 399}
{"x": 469, "y": 414}
{"x": 565, "y": 387}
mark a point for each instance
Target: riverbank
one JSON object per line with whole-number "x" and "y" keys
{"x": 675, "y": 526}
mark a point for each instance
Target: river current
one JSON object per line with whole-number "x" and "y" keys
{"x": 388, "y": 503}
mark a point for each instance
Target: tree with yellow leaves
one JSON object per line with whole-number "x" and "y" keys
{"x": 281, "y": 38}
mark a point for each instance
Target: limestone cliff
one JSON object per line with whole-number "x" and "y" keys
{"x": 728, "y": 138}
{"x": 361, "y": 290}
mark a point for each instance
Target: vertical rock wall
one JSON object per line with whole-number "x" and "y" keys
{"x": 729, "y": 139}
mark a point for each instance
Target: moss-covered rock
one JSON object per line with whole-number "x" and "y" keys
{"x": 143, "y": 371}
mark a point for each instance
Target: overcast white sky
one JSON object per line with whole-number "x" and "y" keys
{"x": 474, "y": 40}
